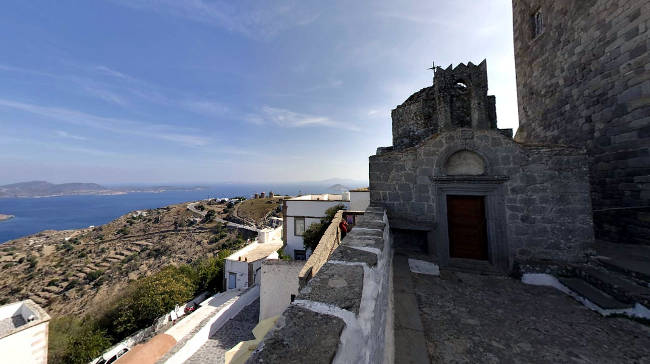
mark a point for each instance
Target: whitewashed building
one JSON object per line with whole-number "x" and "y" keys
{"x": 359, "y": 199}
{"x": 299, "y": 213}
{"x": 23, "y": 333}
{"x": 243, "y": 268}
{"x": 279, "y": 286}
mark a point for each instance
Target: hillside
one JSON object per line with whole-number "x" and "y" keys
{"x": 254, "y": 211}
{"x": 76, "y": 271}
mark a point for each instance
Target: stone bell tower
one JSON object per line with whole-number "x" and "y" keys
{"x": 457, "y": 99}
{"x": 461, "y": 97}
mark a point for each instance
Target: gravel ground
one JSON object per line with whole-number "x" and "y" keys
{"x": 470, "y": 318}
{"x": 239, "y": 328}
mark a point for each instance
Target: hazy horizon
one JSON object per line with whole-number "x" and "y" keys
{"x": 117, "y": 91}
{"x": 201, "y": 183}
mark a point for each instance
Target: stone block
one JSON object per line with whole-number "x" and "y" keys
{"x": 336, "y": 284}
{"x": 367, "y": 223}
{"x": 299, "y": 329}
{"x": 358, "y": 239}
{"x": 347, "y": 254}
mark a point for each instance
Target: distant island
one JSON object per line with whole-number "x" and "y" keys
{"x": 4, "y": 217}
{"x": 46, "y": 189}
{"x": 338, "y": 188}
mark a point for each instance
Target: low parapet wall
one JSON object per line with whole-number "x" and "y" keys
{"x": 330, "y": 240}
{"x": 343, "y": 314}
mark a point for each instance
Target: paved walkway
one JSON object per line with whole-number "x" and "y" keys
{"x": 471, "y": 318}
{"x": 239, "y": 328}
{"x": 410, "y": 344}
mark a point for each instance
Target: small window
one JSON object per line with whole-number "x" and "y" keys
{"x": 298, "y": 226}
{"x": 299, "y": 254}
{"x": 537, "y": 22}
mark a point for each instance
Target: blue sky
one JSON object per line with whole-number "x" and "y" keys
{"x": 173, "y": 91}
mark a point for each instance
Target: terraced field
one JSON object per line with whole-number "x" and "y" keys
{"x": 254, "y": 211}
{"x": 76, "y": 271}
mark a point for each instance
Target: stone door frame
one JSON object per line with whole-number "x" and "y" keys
{"x": 492, "y": 189}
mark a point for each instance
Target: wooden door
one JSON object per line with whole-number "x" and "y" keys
{"x": 467, "y": 227}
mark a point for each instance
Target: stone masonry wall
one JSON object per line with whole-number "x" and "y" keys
{"x": 415, "y": 119}
{"x": 343, "y": 314}
{"x": 585, "y": 82}
{"x": 547, "y": 212}
{"x": 330, "y": 240}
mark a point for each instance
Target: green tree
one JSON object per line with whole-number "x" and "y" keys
{"x": 208, "y": 272}
{"x": 73, "y": 340}
{"x": 147, "y": 299}
{"x": 315, "y": 231}
{"x": 209, "y": 216}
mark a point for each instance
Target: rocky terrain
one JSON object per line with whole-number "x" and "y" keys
{"x": 76, "y": 271}
{"x": 257, "y": 211}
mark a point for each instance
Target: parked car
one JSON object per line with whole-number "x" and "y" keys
{"x": 191, "y": 307}
{"x": 112, "y": 355}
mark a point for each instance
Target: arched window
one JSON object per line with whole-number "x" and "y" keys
{"x": 465, "y": 163}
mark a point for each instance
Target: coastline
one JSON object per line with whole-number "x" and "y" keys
{"x": 4, "y": 217}
{"x": 105, "y": 193}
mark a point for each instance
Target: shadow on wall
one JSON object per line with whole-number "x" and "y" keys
{"x": 410, "y": 240}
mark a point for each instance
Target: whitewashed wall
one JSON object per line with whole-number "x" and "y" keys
{"x": 279, "y": 282}
{"x": 359, "y": 201}
{"x": 268, "y": 235}
{"x": 27, "y": 344}
{"x": 241, "y": 269}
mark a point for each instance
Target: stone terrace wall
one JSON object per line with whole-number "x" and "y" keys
{"x": 326, "y": 245}
{"x": 585, "y": 82}
{"x": 343, "y": 313}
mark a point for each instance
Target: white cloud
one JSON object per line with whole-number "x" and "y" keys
{"x": 209, "y": 108}
{"x": 106, "y": 95}
{"x": 290, "y": 119}
{"x": 111, "y": 72}
{"x": 114, "y": 125}
{"x": 65, "y": 134}
{"x": 261, "y": 20}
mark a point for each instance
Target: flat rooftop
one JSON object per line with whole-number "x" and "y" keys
{"x": 320, "y": 197}
{"x": 10, "y": 323}
{"x": 18, "y": 316}
{"x": 256, "y": 251}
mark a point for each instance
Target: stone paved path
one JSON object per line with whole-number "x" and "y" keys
{"x": 239, "y": 328}
{"x": 471, "y": 318}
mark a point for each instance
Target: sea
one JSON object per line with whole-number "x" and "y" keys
{"x": 32, "y": 215}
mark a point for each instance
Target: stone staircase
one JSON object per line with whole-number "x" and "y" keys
{"x": 616, "y": 281}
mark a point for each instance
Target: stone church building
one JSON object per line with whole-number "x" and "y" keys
{"x": 455, "y": 181}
